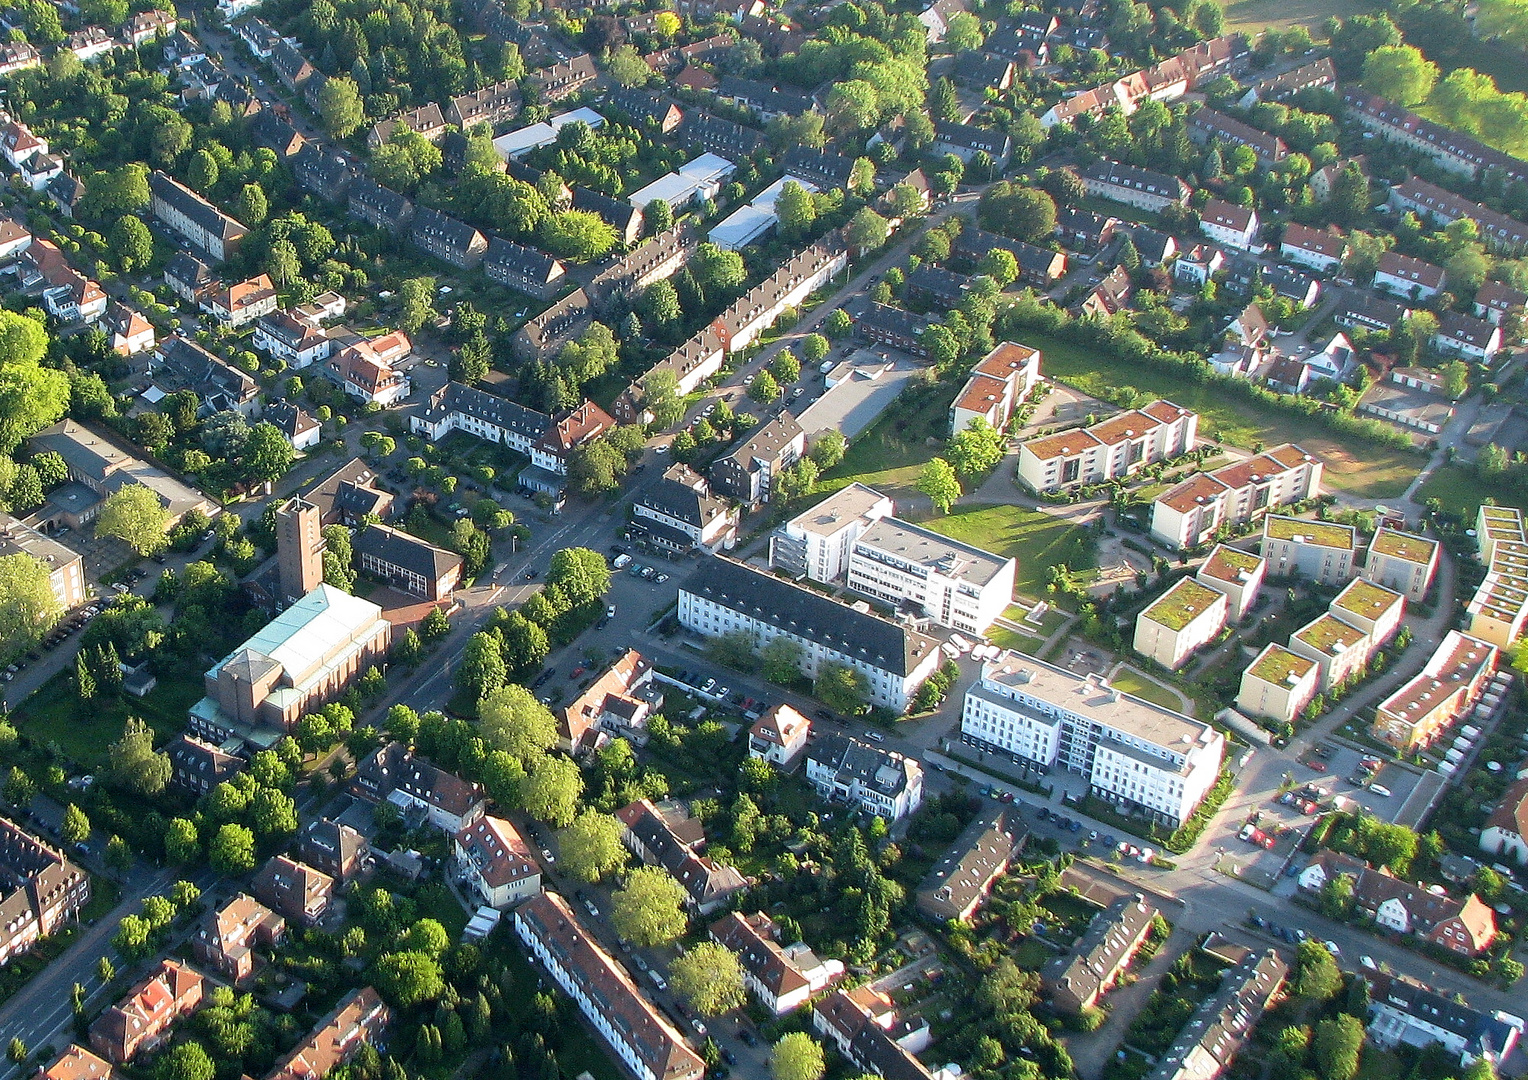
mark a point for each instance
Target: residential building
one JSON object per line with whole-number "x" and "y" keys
{"x": 333, "y": 848}
{"x": 268, "y": 130}
{"x": 496, "y": 861}
{"x": 721, "y": 596}
{"x": 865, "y": 775}
{"x": 1402, "y": 1012}
{"x": 1108, "y": 450}
{"x": 965, "y": 141}
{"x": 1372, "y": 608}
{"x": 448, "y": 239}
{"x": 18, "y": 56}
{"x": 426, "y": 121}
{"x": 1221, "y": 1025}
{"x": 668, "y": 836}
{"x": 1278, "y": 684}
{"x": 816, "y": 543}
{"x": 999, "y": 383}
{"x": 1320, "y": 250}
{"x": 1425, "y": 706}
{"x": 1495, "y": 302}
{"x": 1402, "y": 561}
{"x": 764, "y": 100}
{"x": 748, "y": 471}
{"x": 406, "y": 562}
{"x": 181, "y": 364}
{"x": 1357, "y": 308}
{"x": 459, "y": 407}
{"x": 1083, "y": 230}
{"x": 1323, "y": 551}
{"x": 959, "y": 882}
{"x": 639, "y": 1035}
{"x": 817, "y": 169}
{"x": 1192, "y": 511}
{"x": 1467, "y": 336}
{"x": 146, "y": 26}
{"x": 779, "y": 736}
{"x": 525, "y": 269}
{"x": 98, "y": 467}
{"x": 241, "y": 304}
{"x": 882, "y": 324}
{"x": 1229, "y": 224}
{"x": 365, "y": 371}
{"x": 661, "y": 257}
{"x": 299, "y": 660}
{"x": 563, "y": 80}
{"x": 1328, "y": 865}
{"x": 1108, "y": 297}
{"x": 142, "y": 1020}
{"x": 1140, "y": 188}
{"x": 298, "y": 892}
{"x": 1339, "y": 649}
{"x": 43, "y": 890}
{"x": 1506, "y": 832}
{"x": 862, "y": 1024}
{"x": 712, "y": 134}
{"x": 67, "y": 295}
{"x": 130, "y": 332}
{"x": 1498, "y": 611}
{"x": 1317, "y": 75}
{"x": 380, "y": 207}
{"x": 359, "y": 1019}
{"x": 1451, "y": 150}
{"x": 188, "y": 277}
{"x": 565, "y": 433}
{"x": 325, "y": 174}
{"x": 66, "y": 568}
{"x": 782, "y": 979}
{"x": 1466, "y": 927}
{"x": 91, "y": 43}
{"x": 1184, "y": 618}
{"x": 1411, "y": 278}
{"x": 74, "y": 1062}
{"x": 393, "y": 772}
{"x": 295, "y": 341}
{"x": 1077, "y": 979}
{"x": 647, "y": 108}
{"x": 1135, "y": 754}
{"x": 913, "y": 568}
{"x": 197, "y": 221}
{"x": 1206, "y": 125}
{"x": 492, "y": 105}
{"x": 14, "y": 239}
{"x": 1197, "y": 264}
{"x": 796, "y": 279}
{"x": 1238, "y": 574}
{"x": 196, "y": 767}
{"x": 619, "y": 702}
{"x": 932, "y": 288}
{"x": 679, "y": 513}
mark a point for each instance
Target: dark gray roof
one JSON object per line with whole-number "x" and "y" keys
{"x": 289, "y": 418}
{"x": 430, "y": 225}
{"x": 893, "y": 320}
{"x": 683, "y": 495}
{"x": 321, "y": 172}
{"x": 973, "y": 138}
{"x": 1222, "y": 1022}
{"x": 617, "y": 212}
{"x": 506, "y": 259}
{"x": 718, "y": 135}
{"x": 189, "y": 270}
{"x": 817, "y": 165}
{"x": 764, "y": 97}
{"x": 1481, "y": 1031}
{"x": 807, "y": 614}
{"x": 938, "y": 283}
{"x": 1121, "y": 175}
{"x": 641, "y": 104}
{"x": 873, "y": 767}
{"x": 1098, "y": 953}
{"x": 489, "y": 408}
{"x": 269, "y": 130}
{"x": 368, "y": 193}
{"x": 397, "y": 548}
{"x": 194, "y": 207}
{"x": 967, "y": 869}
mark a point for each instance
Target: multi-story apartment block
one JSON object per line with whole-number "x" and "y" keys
{"x": 1339, "y": 649}
{"x": 1278, "y": 684}
{"x": 66, "y": 569}
{"x": 748, "y": 471}
{"x": 680, "y": 513}
{"x": 1494, "y": 302}
{"x": 1451, "y": 150}
{"x": 459, "y": 407}
{"x": 1110, "y": 449}
{"x": 1078, "y": 978}
{"x": 448, "y": 239}
{"x": 1372, "y": 608}
{"x": 1220, "y": 1027}
{"x": 1443, "y": 691}
{"x": 816, "y": 543}
{"x": 334, "y": 848}
{"x": 796, "y": 279}
{"x": 1403, "y": 1012}
{"x": 1189, "y": 513}
{"x": 722, "y": 596}
{"x": 670, "y": 837}
{"x": 1229, "y": 224}
{"x": 955, "y": 584}
{"x": 1141, "y": 188}
{"x": 638, "y": 1034}
{"x": 200, "y": 223}
{"x": 1206, "y": 125}
{"x": 45, "y": 890}
{"x": 1323, "y": 551}
{"x": 1238, "y": 574}
{"x": 299, "y": 892}
{"x": 496, "y": 861}
{"x": 492, "y": 105}
{"x": 866, "y": 776}
{"x": 1498, "y": 611}
{"x": 142, "y": 1020}
{"x": 1000, "y": 382}
{"x": 1407, "y": 277}
{"x": 863, "y": 1025}
{"x": 196, "y": 767}
{"x": 1402, "y": 561}
{"x": 1185, "y": 617}
{"x": 959, "y": 882}
{"x": 1134, "y": 753}
{"x": 781, "y": 978}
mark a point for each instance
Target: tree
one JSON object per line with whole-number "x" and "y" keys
{"x": 829, "y": 448}
{"x": 842, "y": 688}
{"x": 131, "y": 243}
{"x": 576, "y": 235}
{"x": 1317, "y": 977}
{"x": 202, "y": 173}
{"x": 282, "y": 263}
{"x": 28, "y": 606}
{"x": 866, "y": 230}
{"x": 76, "y": 826}
{"x": 232, "y": 850}
{"x": 627, "y": 67}
{"x": 511, "y": 719}
{"x": 977, "y": 449}
{"x": 408, "y": 978}
{"x": 184, "y": 1061}
{"x": 649, "y": 910}
{"x": 1456, "y": 379}
{"x": 785, "y": 367}
{"x": 659, "y": 305}
{"x": 267, "y": 453}
{"x": 1000, "y": 265}
{"x": 1338, "y": 1041}
{"x": 134, "y": 764}
{"x": 837, "y": 324}
{"x": 658, "y": 216}
{"x": 134, "y": 515}
{"x": 796, "y": 481}
{"x": 939, "y": 482}
{"x": 590, "y": 848}
{"x": 251, "y": 207}
{"x": 796, "y": 1056}
{"x": 764, "y": 388}
{"x": 274, "y": 813}
{"x": 795, "y": 209}
{"x": 1023, "y": 213}
{"x": 812, "y": 349}
{"x": 31, "y": 396}
{"x": 862, "y": 177}
{"x": 17, "y": 1051}
{"x": 964, "y": 32}
{"x": 710, "y": 978}
{"x": 416, "y": 299}
{"x": 182, "y": 845}
{"x": 1400, "y": 73}
{"x": 482, "y": 670}
{"x": 781, "y": 660}
{"x": 84, "y": 680}
{"x": 551, "y": 791}
{"x": 340, "y": 107}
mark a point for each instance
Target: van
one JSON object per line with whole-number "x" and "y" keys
{"x": 658, "y": 980}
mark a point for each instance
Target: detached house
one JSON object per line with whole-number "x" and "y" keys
{"x": 1506, "y": 831}
{"x": 394, "y": 773}
{"x": 496, "y": 861}
{"x": 241, "y": 304}
{"x": 680, "y": 513}
{"x": 130, "y": 332}
{"x": 1466, "y": 927}
{"x": 142, "y": 1020}
{"x": 866, "y": 776}
{"x": 1466, "y": 336}
{"x": 333, "y": 848}
{"x": 966, "y": 141}
{"x": 782, "y": 979}
{"x": 1407, "y": 277}
{"x": 1227, "y": 223}
{"x": 296, "y": 890}
{"x": 779, "y": 736}
{"x": 1319, "y": 249}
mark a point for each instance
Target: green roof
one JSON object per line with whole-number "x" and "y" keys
{"x": 1303, "y": 530}
{"x": 1277, "y": 663}
{"x": 1366, "y": 598}
{"x": 1400, "y": 545}
{"x": 1183, "y": 603}
{"x": 1328, "y": 632}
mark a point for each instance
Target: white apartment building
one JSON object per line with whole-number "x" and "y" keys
{"x": 1339, "y": 649}
{"x": 1238, "y": 574}
{"x": 1188, "y": 514}
{"x": 955, "y": 584}
{"x": 1134, "y": 753}
{"x": 1402, "y": 561}
{"x": 1110, "y": 449}
{"x": 1372, "y": 608}
{"x": 816, "y": 543}
{"x": 863, "y": 775}
{"x": 1229, "y": 224}
{"x": 1278, "y": 684}
{"x": 291, "y": 339}
{"x": 1185, "y": 617}
{"x": 1499, "y": 609}
{"x": 1320, "y": 550}
{"x": 999, "y": 383}
{"x": 723, "y": 596}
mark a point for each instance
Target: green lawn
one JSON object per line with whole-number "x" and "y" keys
{"x": 889, "y": 455}
{"x": 1134, "y": 682}
{"x": 1036, "y": 539}
{"x": 1004, "y": 638}
{"x": 1249, "y": 16}
{"x": 1460, "y": 492}
{"x": 84, "y": 729}
{"x": 1361, "y": 469}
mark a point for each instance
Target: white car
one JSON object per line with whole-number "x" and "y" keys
{"x": 1331, "y": 947}
{"x": 1381, "y": 790}
{"x": 1368, "y": 962}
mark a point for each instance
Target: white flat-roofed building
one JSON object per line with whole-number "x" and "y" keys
{"x": 695, "y": 181}
{"x": 816, "y": 543}
{"x": 1278, "y": 684}
{"x": 955, "y": 584}
{"x": 747, "y": 223}
{"x": 522, "y": 141}
{"x": 1372, "y": 608}
{"x": 1134, "y": 753}
{"x": 1112, "y": 448}
{"x": 1402, "y": 561}
{"x": 1238, "y": 574}
{"x": 1189, "y": 513}
{"x": 1185, "y": 617}
{"x": 1339, "y": 649}
{"x": 1320, "y": 550}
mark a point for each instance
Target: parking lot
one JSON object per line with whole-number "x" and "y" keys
{"x": 1334, "y": 767}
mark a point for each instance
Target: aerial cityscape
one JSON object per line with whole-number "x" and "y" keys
{"x": 664, "y": 539}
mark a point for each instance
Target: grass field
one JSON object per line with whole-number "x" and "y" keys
{"x": 1250, "y": 15}
{"x": 889, "y": 455}
{"x": 1360, "y": 469}
{"x": 1037, "y": 540}
{"x": 84, "y": 729}
{"x": 1134, "y": 682}
{"x": 1461, "y": 493}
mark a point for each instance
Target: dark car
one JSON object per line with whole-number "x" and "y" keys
{"x": 823, "y": 714}
{"x": 728, "y": 1056}
{"x": 748, "y": 1037}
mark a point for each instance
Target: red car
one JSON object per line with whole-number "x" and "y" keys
{"x": 1318, "y": 766}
